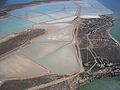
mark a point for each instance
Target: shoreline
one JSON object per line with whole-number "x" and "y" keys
{"x": 108, "y": 30}
{"x": 78, "y": 79}
{"x": 22, "y": 5}
{"x": 4, "y": 39}
{"x": 108, "y": 71}
{"x": 17, "y": 40}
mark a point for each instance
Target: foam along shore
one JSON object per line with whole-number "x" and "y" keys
{"x": 113, "y": 37}
{"x": 56, "y": 54}
{"x": 19, "y": 39}
{"x": 11, "y": 36}
{"x": 15, "y": 6}
{"x": 8, "y": 37}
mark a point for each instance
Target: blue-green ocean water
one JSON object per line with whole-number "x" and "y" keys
{"x": 111, "y": 4}
{"x": 11, "y": 2}
{"x": 103, "y": 84}
{"x": 108, "y": 83}
{"x": 114, "y": 5}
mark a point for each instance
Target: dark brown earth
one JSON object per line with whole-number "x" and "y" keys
{"x": 103, "y": 48}
{"x": 17, "y": 6}
{"x": 27, "y": 83}
{"x": 20, "y": 39}
{"x": 103, "y": 45}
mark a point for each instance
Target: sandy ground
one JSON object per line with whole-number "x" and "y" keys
{"x": 18, "y": 67}
{"x": 28, "y": 61}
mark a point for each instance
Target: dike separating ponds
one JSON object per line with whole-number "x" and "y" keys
{"x": 74, "y": 81}
{"x": 81, "y": 78}
{"x": 67, "y": 82}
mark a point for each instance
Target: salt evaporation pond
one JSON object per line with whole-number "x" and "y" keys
{"x": 47, "y": 51}
{"x": 12, "y": 25}
{"x": 47, "y": 12}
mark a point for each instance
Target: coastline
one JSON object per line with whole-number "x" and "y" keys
{"x": 16, "y": 40}
{"x": 105, "y": 43}
{"x": 112, "y": 36}
{"x": 78, "y": 79}
{"x": 4, "y": 39}
{"x": 22, "y": 5}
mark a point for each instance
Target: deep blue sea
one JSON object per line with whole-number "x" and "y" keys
{"x": 114, "y": 5}
{"x": 111, "y": 4}
{"x": 11, "y": 2}
{"x": 108, "y": 83}
{"x": 103, "y": 84}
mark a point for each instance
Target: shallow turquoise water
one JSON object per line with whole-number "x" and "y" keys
{"x": 70, "y": 6}
{"x": 45, "y": 9}
{"x": 115, "y": 32}
{"x": 115, "y": 6}
{"x": 23, "y": 19}
{"x": 50, "y": 8}
{"x": 103, "y": 84}
{"x": 12, "y": 25}
{"x": 108, "y": 83}
{"x": 35, "y": 14}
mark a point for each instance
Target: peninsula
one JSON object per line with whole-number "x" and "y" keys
{"x": 57, "y": 52}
